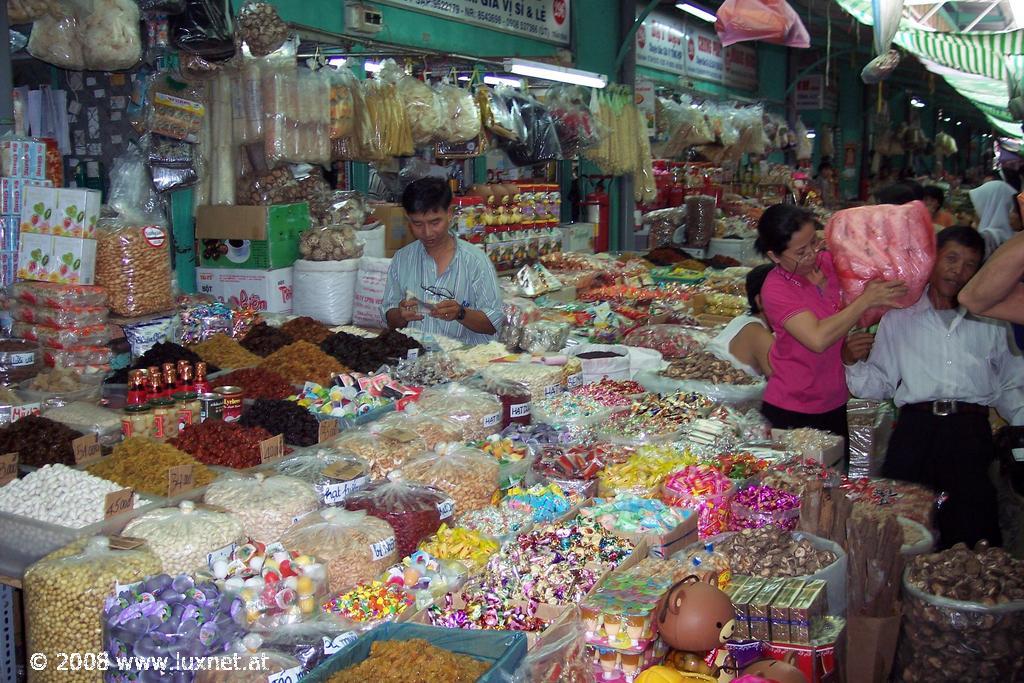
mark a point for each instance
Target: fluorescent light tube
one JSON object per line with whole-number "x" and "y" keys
{"x": 550, "y": 72}
{"x": 811, "y": 135}
{"x": 372, "y": 67}
{"x": 696, "y": 11}
{"x": 337, "y": 61}
{"x": 503, "y": 80}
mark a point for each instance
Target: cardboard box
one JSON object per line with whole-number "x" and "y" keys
{"x": 60, "y": 211}
{"x": 396, "y": 227}
{"x": 578, "y": 237}
{"x": 741, "y": 604}
{"x": 780, "y": 623}
{"x": 807, "y": 606}
{"x": 73, "y": 260}
{"x": 759, "y": 612}
{"x": 250, "y": 237}
{"x": 266, "y": 290}
{"x": 817, "y": 661}
{"x": 34, "y": 256}
{"x": 829, "y": 457}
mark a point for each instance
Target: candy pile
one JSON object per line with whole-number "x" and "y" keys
{"x": 610, "y": 392}
{"x": 629, "y": 514}
{"x": 794, "y": 475}
{"x": 705, "y": 490}
{"x": 370, "y": 602}
{"x": 337, "y": 401}
{"x": 655, "y": 416}
{"x": 758, "y": 506}
{"x": 544, "y": 503}
{"x": 738, "y": 466}
{"x": 426, "y": 577}
{"x": 643, "y": 473}
{"x": 498, "y": 521}
{"x": 485, "y": 612}
{"x": 456, "y": 543}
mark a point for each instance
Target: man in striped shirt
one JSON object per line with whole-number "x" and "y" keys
{"x": 440, "y": 284}
{"x": 945, "y": 368}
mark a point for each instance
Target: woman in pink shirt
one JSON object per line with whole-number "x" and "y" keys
{"x": 802, "y": 302}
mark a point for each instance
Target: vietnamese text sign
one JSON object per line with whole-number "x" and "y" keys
{"x": 546, "y": 20}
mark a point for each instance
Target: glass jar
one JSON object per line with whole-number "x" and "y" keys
{"x": 186, "y": 405}
{"x": 165, "y": 422}
{"x": 137, "y": 421}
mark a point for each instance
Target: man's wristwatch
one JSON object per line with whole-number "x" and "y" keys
{"x": 462, "y": 313}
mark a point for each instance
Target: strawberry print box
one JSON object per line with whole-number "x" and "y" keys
{"x": 60, "y": 212}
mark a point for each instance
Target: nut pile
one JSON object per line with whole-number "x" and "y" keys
{"x": 331, "y": 244}
{"x": 769, "y": 551}
{"x": 59, "y": 495}
{"x": 227, "y": 444}
{"x": 256, "y": 382}
{"x": 267, "y": 506}
{"x": 368, "y": 354}
{"x": 39, "y": 441}
{"x": 944, "y": 641}
{"x": 142, "y": 464}
{"x": 307, "y": 329}
{"x": 262, "y": 29}
{"x": 703, "y": 366}
{"x": 183, "y": 536}
{"x": 301, "y": 362}
{"x": 299, "y": 426}
{"x": 263, "y": 340}
{"x": 224, "y": 351}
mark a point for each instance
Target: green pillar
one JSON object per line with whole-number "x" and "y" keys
{"x": 183, "y": 229}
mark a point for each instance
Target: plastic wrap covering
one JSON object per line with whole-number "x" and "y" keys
{"x": 543, "y": 381}
{"x": 266, "y": 505}
{"x": 477, "y": 413}
{"x": 172, "y": 111}
{"x": 324, "y": 289}
{"x": 183, "y": 536}
{"x": 110, "y": 35}
{"x": 434, "y": 431}
{"x": 133, "y": 263}
{"x": 468, "y": 475}
{"x": 423, "y": 107}
{"x": 948, "y": 639}
{"x": 672, "y": 341}
{"x": 500, "y": 113}
{"x": 296, "y": 105}
{"x": 168, "y": 7}
{"x": 21, "y": 360}
{"x": 577, "y": 129}
{"x": 461, "y": 115}
{"x": 871, "y": 426}
{"x": 272, "y": 666}
{"x": 333, "y": 473}
{"x": 544, "y": 336}
{"x": 663, "y": 225}
{"x": 384, "y": 448}
{"x": 681, "y": 125}
{"x": 728, "y": 394}
{"x": 27, "y": 11}
{"x": 312, "y": 642}
{"x": 171, "y": 162}
{"x": 390, "y": 134}
{"x": 260, "y": 28}
{"x": 561, "y": 656}
{"x": 700, "y": 221}
{"x": 882, "y": 243}
{"x": 770, "y": 21}
{"x": 580, "y": 416}
{"x": 86, "y": 417}
{"x": 354, "y": 545}
{"x": 204, "y": 29}
{"x": 344, "y": 88}
{"x": 413, "y": 510}
{"x": 517, "y": 313}
{"x": 65, "y": 594}
{"x": 224, "y": 153}
{"x": 353, "y": 140}
{"x": 55, "y": 39}
{"x": 541, "y": 141}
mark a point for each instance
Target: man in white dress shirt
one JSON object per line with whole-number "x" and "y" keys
{"x": 945, "y": 367}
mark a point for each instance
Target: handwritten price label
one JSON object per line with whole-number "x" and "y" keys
{"x": 180, "y": 478}
{"x": 328, "y": 430}
{"x": 8, "y": 468}
{"x": 118, "y": 502}
{"x": 272, "y": 448}
{"x": 87, "y": 449}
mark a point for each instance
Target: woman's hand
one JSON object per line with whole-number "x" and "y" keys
{"x": 883, "y": 293}
{"x": 857, "y": 347}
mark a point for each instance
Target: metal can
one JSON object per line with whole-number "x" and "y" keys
{"x": 232, "y": 402}
{"x": 211, "y": 407}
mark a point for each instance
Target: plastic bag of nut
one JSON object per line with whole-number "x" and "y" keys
{"x": 133, "y": 263}
{"x": 183, "y": 536}
{"x": 476, "y": 412}
{"x": 354, "y": 546}
{"x": 963, "y": 616}
{"x": 468, "y": 475}
{"x": 266, "y": 506}
{"x": 386, "y": 448}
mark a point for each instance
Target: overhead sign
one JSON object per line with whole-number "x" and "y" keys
{"x": 546, "y": 20}
{"x": 692, "y": 50}
{"x": 809, "y": 93}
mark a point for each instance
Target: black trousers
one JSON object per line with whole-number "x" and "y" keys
{"x": 833, "y": 421}
{"x": 950, "y": 454}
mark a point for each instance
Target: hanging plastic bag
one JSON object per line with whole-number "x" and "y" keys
{"x": 500, "y": 114}
{"x": 27, "y": 11}
{"x": 165, "y": 7}
{"x": 541, "y": 142}
{"x": 424, "y": 109}
{"x": 110, "y": 36}
{"x": 886, "y": 16}
{"x": 882, "y": 243}
{"x": 468, "y": 475}
{"x": 205, "y": 29}
{"x": 260, "y": 28}
{"x": 55, "y": 39}
{"x": 771, "y": 21}
{"x": 391, "y": 134}
{"x": 881, "y": 67}
{"x": 576, "y": 127}
{"x": 460, "y": 121}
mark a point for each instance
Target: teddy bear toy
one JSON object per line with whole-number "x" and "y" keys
{"x": 695, "y": 619}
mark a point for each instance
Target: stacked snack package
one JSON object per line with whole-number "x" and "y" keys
{"x": 68, "y": 321}
{"x": 297, "y": 106}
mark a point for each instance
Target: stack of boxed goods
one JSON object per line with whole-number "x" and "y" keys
{"x": 22, "y": 165}
{"x": 58, "y": 235}
{"x": 68, "y": 321}
{"x": 246, "y": 253}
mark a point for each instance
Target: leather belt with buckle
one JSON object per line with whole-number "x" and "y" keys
{"x": 946, "y": 407}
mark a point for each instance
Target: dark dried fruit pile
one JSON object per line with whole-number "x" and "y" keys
{"x": 299, "y": 426}
{"x": 263, "y": 340}
{"x": 39, "y": 441}
{"x": 257, "y": 383}
{"x": 364, "y": 354}
{"x": 227, "y": 444}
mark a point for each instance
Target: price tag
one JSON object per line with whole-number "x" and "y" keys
{"x": 118, "y": 502}
{"x": 272, "y": 448}
{"x": 574, "y": 381}
{"x": 328, "y": 430}
{"x": 87, "y": 449}
{"x": 552, "y": 390}
{"x": 382, "y": 549}
{"x": 519, "y": 410}
{"x": 121, "y": 588}
{"x": 287, "y": 676}
{"x": 400, "y": 434}
{"x": 219, "y": 554}
{"x": 413, "y": 354}
{"x": 180, "y": 478}
{"x": 126, "y": 543}
{"x": 492, "y": 420}
{"x": 8, "y": 468}
{"x": 338, "y": 642}
{"x": 446, "y": 508}
{"x": 335, "y": 494}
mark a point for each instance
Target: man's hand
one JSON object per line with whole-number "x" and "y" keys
{"x": 446, "y": 310}
{"x": 857, "y": 347}
{"x": 410, "y": 310}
